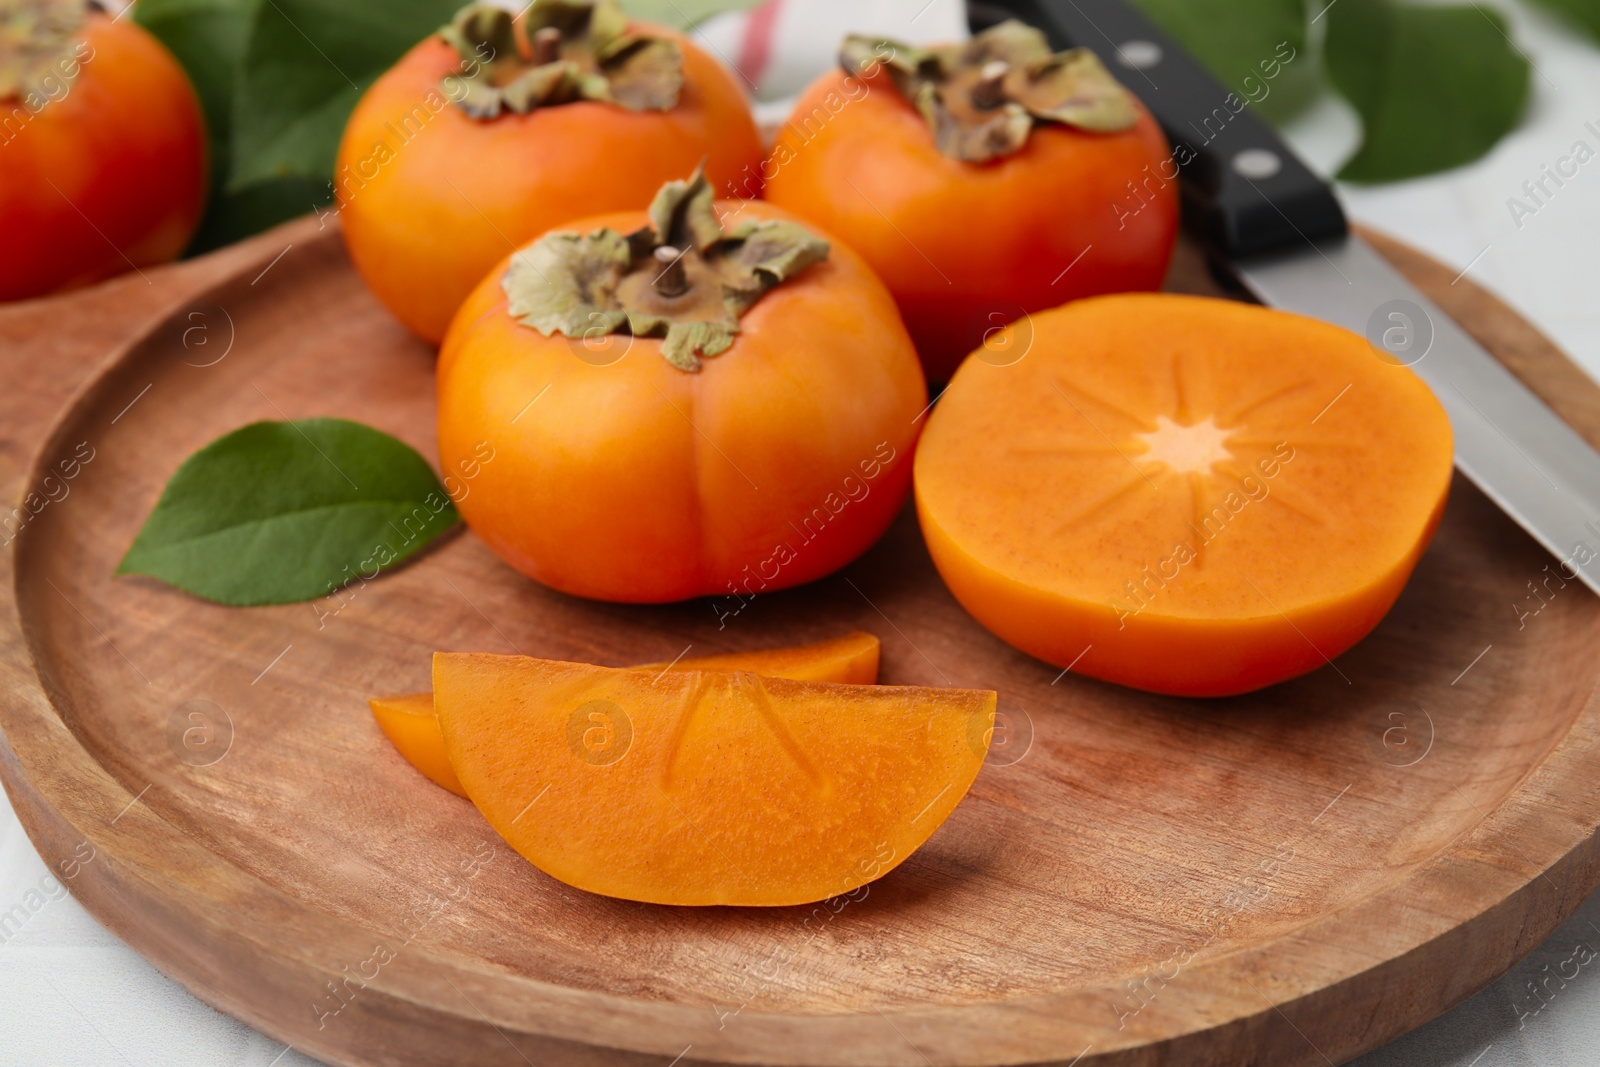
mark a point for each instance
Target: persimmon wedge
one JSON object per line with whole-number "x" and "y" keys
{"x": 410, "y": 723}
{"x": 1180, "y": 494}
{"x": 706, "y": 787}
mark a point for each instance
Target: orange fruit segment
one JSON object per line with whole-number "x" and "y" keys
{"x": 411, "y": 725}
{"x": 848, "y": 660}
{"x": 1181, "y": 494}
{"x": 706, "y": 787}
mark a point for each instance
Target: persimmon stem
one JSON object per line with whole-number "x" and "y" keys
{"x": 989, "y": 93}
{"x": 546, "y": 46}
{"x": 673, "y": 279}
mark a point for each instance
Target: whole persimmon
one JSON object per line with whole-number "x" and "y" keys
{"x": 102, "y": 149}
{"x": 676, "y": 409}
{"x": 981, "y": 181}
{"x": 492, "y": 131}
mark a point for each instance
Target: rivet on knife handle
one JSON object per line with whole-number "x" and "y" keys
{"x": 1245, "y": 192}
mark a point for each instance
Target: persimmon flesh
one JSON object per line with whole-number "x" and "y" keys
{"x": 410, "y": 722}
{"x": 696, "y": 787}
{"x": 1183, "y": 495}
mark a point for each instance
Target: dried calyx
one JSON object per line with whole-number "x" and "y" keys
{"x": 683, "y": 277}
{"x": 36, "y": 39}
{"x": 982, "y": 98}
{"x": 577, "y": 50}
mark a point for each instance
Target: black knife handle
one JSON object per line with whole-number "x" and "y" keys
{"x": 1244, "y": 191}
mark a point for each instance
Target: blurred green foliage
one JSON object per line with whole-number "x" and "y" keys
{"x": 278, "y": 79}
{"x": 1234, "y": 37}
{"x": 1436, "y": 84}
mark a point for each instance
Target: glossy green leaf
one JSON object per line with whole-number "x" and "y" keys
{"x": 278, "y": 512}
{"x": 1257, "y": 48}
{"x": 1436, "y": 86}
{"x": 305, "y": 66}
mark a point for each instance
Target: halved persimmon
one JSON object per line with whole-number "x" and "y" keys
{"x": 1185, "y": 495}
{"x": 706, "y": 787}
{"x": 410, "y": 723}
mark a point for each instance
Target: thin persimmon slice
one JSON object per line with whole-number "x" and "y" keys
{"x": 1181, "y": 494}
{"x": 706, "y": 787}
{"x": 849, "y": 660}
{"x": 409, "y": 722}
{"x": 412, "y": 727}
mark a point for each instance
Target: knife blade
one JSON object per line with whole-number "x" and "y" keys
{"x": 1278, "y": 230}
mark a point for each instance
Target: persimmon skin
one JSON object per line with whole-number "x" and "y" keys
{"x": 778, "y": 462}
{"x": 108, "y": 176}
{"x": 430, "y": 198}
{"x": 1283, "y": 573}
{"x": 966, "y": 247}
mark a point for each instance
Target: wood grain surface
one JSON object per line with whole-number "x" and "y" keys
{"x": 1291, "y": 877}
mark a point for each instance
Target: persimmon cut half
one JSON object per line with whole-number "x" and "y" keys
{"x": 706, "y": 787}
{"x": 1180, "y": 494}
{"x": 410, "y": 723}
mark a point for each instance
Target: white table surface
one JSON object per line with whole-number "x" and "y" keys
{"x": 73, "y": 995}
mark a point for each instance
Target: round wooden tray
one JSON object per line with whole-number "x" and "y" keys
{"x": 1291, "y": 877}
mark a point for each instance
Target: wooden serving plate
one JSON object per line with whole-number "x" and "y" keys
{"x": 1292, "y": 877}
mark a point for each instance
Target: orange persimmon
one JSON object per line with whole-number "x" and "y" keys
{"x": 1023, "y": 181}
{"x": 696, "y": 787}
{"x": 410, "y": 723}
{"x": 763, "y": 442}
{"x": 483, "y": 137}
{"x": 1180, "y": 494}
{"x": 102, "y": 149}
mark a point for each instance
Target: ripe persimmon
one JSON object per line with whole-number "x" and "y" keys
{"x": 103, "y": 150}
{"x": 483, "y": 137}
{"x": 706, "y": 787}
{"x": 981, "y": 181}
{"x": 1180, "y": 494}
{"x": 752, "y": 432}
{"x": 410, "y": 723}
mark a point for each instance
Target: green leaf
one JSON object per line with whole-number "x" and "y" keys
{"x": 1585, "y": 13}
{"x": 278, "y": 512}
{"x": 1436, "y": 86}
{"x": 306, "y": 65}
{"x": 208, "y": 38}
{"x": 683, "y": 14}
{"x": 1258, "y": 48}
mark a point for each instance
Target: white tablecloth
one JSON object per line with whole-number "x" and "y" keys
{"x": 73, "y": 995}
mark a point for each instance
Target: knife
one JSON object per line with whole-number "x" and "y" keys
{"x": 1280, "y": 232}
